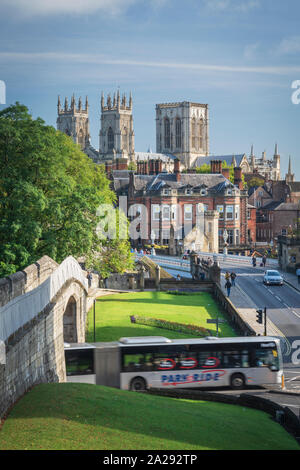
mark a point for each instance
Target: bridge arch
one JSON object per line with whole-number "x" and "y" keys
{"x": 70, "y": 320}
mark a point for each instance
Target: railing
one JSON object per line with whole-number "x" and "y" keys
{"x": 21, "y": 310}
{"x": 184, "y": 265}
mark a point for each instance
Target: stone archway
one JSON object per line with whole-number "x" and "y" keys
{"x": 70, "y": 321}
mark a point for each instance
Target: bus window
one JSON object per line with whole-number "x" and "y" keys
{"x": 79, "y": 361}
{"x": 235, "y": 359}
{"x": 267, "y": 358}
{"x": 209, "y": 359}
{"x": 137, "y": 362}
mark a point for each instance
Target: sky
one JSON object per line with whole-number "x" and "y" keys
{"x": 241, "y": 57}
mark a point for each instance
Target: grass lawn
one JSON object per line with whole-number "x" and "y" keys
{"x": 113, "y": 312}
{"x": 80, "y": 416}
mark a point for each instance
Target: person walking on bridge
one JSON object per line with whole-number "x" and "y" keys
{"x": 228, "y": 287}
{"x": 232, "y": 278}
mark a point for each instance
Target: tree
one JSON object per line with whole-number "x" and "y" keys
{"x": 255, "y": 181}
{"x": 49, "y": 193}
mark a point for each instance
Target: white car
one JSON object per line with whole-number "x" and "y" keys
{"x": 273, "y": 277}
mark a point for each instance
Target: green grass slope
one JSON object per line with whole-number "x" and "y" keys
{"x": 81, "y": 416}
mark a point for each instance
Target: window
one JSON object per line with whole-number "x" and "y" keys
{"x": 237, "y": 237}
{"x": 188, "y": 211}
{"x": 220, "y": 209}
{"x": 174, "y": 211}
{"x": 229, "y": 192}
{"x": 188, "y": 191}
{"x": 165, "y": 192}
{"x": 165, "y": 212}
{"x": 201, "y": 134}
{"x": 237, "y": 212}
{"x": 155, "y": 211}
{"x": 230, "y": 237}
{"x": 248, "y": 214}
{"x": 201, "y": 207}
{"x": 203, "y": 192}
{"x": 178, "y": 132}
{"x": 110, "y": 139}
{"x": 79, "y": 361}
{"x": 229, "y": 212}
{"x": 167, "y": 134}
{"x": 194, "y": 133}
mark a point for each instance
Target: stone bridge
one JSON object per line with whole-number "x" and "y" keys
{"x": 40, "y": 308}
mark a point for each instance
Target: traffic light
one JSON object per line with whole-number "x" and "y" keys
{"x": 259, "y": 316}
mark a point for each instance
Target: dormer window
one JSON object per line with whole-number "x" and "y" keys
{"x": 188, "y": 192}
{"x": 203, "y": 192}
{"x": 165, "y": 192}
{"x": 229, "y": 192}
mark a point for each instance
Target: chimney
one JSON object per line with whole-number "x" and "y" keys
{"x": 213, "y": 166}
{"x": 226, "y": 172}
{"x": 177, "y": 169}
{"x": 238, "y": 177}
{"x": 219, "y": 166}
{"x": 152, "y": 167}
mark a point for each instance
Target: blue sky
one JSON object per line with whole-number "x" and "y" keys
{"x": 239, "y": 56}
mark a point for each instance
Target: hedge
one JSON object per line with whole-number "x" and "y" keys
{"x": 169, "y": 325}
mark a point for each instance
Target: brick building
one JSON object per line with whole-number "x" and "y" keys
{"x": 178, "y": 197}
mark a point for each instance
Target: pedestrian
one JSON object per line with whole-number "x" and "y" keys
{"x": 232, "y": 277}
{"x": 228, "y": 287}
{"x": 298, "y": 275}
{"x": 264, "y": 260}
{"x": 227, "y": 276}
{"x": 254, "y": 261}
{"x": 89, "y": 277}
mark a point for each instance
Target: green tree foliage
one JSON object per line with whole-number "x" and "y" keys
{"x": 49, "y": 193}
{"x": 255, "y": 181}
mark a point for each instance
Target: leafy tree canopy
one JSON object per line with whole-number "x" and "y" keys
{"x": 49, "y": 193}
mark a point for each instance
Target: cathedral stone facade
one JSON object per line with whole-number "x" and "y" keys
{"x": 182, "y": 132}
{"x": 116, "y": 133}
{"x": 74, "y": 121}
{"x": 182, "y": 129}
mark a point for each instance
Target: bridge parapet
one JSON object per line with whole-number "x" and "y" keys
{"x": 28, "y": 304}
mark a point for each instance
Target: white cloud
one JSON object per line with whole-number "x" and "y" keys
{"x": 50, "y": 7}
{"x": 289, "y": 45}
{"x": 100, "y": 59}
{"x": 232, "y": 5}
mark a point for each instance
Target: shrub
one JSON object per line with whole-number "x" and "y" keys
{"x": 169, "y": 325}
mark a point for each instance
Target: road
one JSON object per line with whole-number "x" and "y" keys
{"x": 283, "y": 311}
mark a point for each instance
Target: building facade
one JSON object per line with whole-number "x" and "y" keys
{"x": 182, "y": 129}
{"x": 178, "y": 199}
{"x": 116, "y": 132}
{"x": 73, "y": 120}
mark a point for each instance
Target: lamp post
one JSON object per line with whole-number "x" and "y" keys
{"x": 152, "y": 243}
{"x": 225, "y": 238}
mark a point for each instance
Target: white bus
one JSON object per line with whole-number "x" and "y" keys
{"x": 140, "y": 363}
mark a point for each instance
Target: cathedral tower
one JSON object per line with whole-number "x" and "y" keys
{"x": 182, "y": 129}
{"x": 74, "y": 121}
{"x": 116, "y": 134}
{"x": 276, "y": 164}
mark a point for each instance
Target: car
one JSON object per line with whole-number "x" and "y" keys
{"x": 273, "y": 278}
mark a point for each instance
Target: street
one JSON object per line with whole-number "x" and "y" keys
{"x": 283, "y": 310}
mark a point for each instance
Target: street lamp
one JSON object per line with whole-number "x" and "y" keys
{"x": 225, "y": 238}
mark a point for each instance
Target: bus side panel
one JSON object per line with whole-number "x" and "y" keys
{"x": 107, "y": 366}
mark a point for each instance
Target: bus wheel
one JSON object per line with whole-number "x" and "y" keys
{"x": 237, "y": 381}
{"x": 138, "y": 384}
